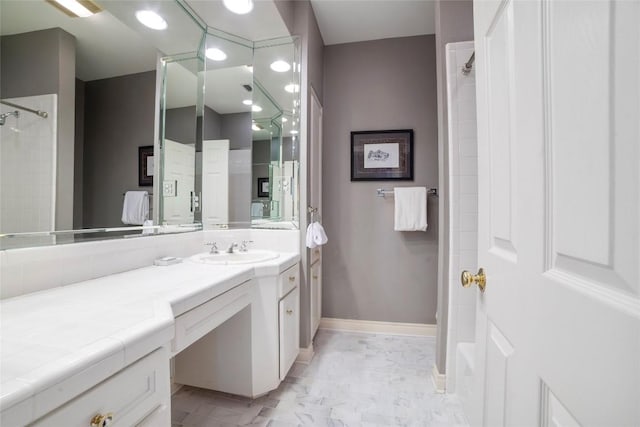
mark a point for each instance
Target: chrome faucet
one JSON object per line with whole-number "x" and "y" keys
{"x": 231, "y": 247}
{"x": 243, "y": 246}
{"x": 214, "y": 247}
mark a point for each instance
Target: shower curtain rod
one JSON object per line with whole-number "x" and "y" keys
{"x": 466, "y": 69}
{"x": 40, "y": 113}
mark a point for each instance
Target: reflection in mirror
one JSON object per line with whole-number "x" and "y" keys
{"x": 275, "y": 136}
{"x": 181, "y": 119}
{"x": 225, "y": 155}
{"x": 96, "y": 79}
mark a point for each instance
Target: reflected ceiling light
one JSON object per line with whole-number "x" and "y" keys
{"x": 215, "y": 54}
{"x": 280, "y": 66}
{"x": 247, "y": 102}
{"x": 75, "y": 8}
{"x": 151, "y": 19}
{"x": 256, "y": 108}
{"x": 239, "y": 6}
{"x": 292, "y": 87}
{"x": 284, "y": 120}
{"x": 293, "y": 132}
{"x": 256, "y": 126}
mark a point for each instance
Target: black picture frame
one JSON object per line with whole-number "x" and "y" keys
{"x": 263, "y": 187}
{"x": 382, "y": 155}
{"x": 145, "y": 166}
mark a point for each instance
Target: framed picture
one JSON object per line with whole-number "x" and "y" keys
{"x": 145, "y": 166}
{"x": 380, "y": 155}
{"x": 263, "y": 187}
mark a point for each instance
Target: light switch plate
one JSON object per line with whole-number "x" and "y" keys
{"x": 169, "y": 188}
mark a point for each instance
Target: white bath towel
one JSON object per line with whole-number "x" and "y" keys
{"x": 319, "y": 236}
{"x": 148, "y": 223}
{"x": 135, "y": 209}
{"x": 410, "y": 208}
{"x": 309, "y": 240}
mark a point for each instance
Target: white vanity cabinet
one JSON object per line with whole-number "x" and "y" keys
{"x": 288, "y": 318}
{"x": 138, "y": 393}
{"x": 252, "y": 346}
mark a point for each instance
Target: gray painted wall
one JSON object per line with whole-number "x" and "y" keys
{"x": 78, "y": 162}
{"x": 119, "y": 118}
{"x": 301, "y": 21}
{"x": 454, "y": 23}
{"x": 236, "y": 127}
{"x": 181, "y": 124}
{"x": 371, "y": 272}
{"x": 39, "y": 63}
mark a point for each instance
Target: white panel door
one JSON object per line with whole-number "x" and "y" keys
{"x": 215, "y": 182}
{"x": 558, "y": 326}
{"x": 179, "y": 168}
{"x": 315, "y": 202}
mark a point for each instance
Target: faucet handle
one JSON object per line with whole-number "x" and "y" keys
{"x": 243, "y": 247}
{"x": 214, "y": 247}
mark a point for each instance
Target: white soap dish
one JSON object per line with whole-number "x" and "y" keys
{"x": 167, "y": 260}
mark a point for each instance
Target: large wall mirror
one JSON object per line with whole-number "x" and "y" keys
{"x": 220, "y": 120}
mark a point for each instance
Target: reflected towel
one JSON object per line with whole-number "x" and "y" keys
{"x": 257, "y": 210}
{"x": 309, "y": 240}
{"x": 319, "y": 236}
{"x": 410, "y": 208}
{"x": 135, "y": 209}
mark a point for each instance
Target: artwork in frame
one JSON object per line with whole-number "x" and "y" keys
{"x": 145, "y": 166}
{"x": 263, "y": 187}
{"x": 380, "y": 155}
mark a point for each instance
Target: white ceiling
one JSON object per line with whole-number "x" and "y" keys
{"x": 346, "y": 21}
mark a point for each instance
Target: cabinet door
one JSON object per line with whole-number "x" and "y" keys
{"x": 289, "y": 330}
{"x": 316, "y": 295}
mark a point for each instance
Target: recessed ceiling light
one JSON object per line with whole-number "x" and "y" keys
{"x": 293, "y": 132}
{"x": 256, "y": 126}
{"x": 215, "y": 54}
{"x": 239, "y": 6}
{"x": 280, "y": 66}
{"x": 247, "y": 102}
{"x": 76, "y": 9}
{"x": 151, "y": 19}
{"x": 256, "y": 108}
{"x": 292, "y": 87}
{"x": 284, "y": 120}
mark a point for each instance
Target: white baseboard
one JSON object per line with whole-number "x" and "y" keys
{"x": 305, "y": 354}
{"x": 439, "y": 380}
{"x": 375, "y": 327}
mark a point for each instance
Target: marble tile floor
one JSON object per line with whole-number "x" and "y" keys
{"x": 353, "y": 380}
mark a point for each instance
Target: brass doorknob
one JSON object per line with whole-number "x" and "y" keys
{"x": 101, "y": 420}
{"x": 469, "y": 279}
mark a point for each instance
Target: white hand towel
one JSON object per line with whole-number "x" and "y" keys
{"x": 150, "y": 230}
{"x": 310, "y": 243}
{"x": 319, "y": 236}
{"x": 135, "y": 209}
{"x": 410, "y": 208}
{"x": 257, "y": 210}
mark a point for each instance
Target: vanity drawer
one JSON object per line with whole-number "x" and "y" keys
{"x": 288, "y": 280}
{"x": 198, "y": 322}
{"x": 130, "y": 395}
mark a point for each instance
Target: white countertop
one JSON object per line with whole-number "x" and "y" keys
{"x": 59, "y": 342}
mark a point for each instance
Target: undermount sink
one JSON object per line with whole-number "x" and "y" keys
{"x": 224, "y": 258}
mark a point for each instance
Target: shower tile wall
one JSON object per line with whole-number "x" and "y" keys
{"x": 28, "y": 166}
{"x": 463, "y": 196}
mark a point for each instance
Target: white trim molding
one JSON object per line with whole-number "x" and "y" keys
{"x": 375, "y": 327}
{"x": 439, "y": 380}
{"x": 305, "y": 354}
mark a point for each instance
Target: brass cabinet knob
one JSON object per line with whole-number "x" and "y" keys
{"x": 469, "y": 279}
{"x": 292, "y": 278}
{"x": 289, "y": 312}
{"x": 101, "y": 420}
